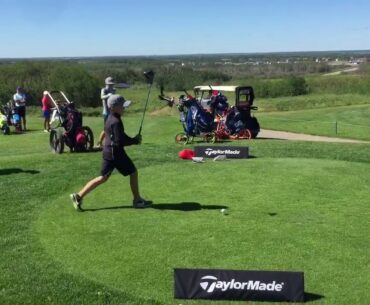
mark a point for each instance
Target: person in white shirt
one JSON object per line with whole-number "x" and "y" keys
{"x": 105, "y": 93}
{"x": 20, "y": 105}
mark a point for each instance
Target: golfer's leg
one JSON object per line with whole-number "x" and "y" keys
{"x": 134, "y": 184}
{"x": 101, "y": 138}
{"x": 92, "y": 184}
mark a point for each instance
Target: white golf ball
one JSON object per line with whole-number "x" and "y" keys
{"x": 224, "y": 211}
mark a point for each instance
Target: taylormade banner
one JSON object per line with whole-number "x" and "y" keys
{"x": 218, "y": 284}
{"x": 238, "y": 152}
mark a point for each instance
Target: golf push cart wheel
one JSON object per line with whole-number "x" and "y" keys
{"x": 89, "y": 144}
{"x": 245, "y": 134}
{"x": 56, "y": 141}
{"x": 210, "y": 137}
{"x": 181, "y": 138}
{"x": 6, "y": 130}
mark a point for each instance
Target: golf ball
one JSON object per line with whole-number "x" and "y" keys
{"x": 224, "y": 211}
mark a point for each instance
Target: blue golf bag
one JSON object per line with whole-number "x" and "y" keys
{"x": 194, "y": 118}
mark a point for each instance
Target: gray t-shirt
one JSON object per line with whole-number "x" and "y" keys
{"x": 104, "y": 94}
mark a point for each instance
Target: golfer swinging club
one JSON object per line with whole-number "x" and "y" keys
{"x": 114, "y": 155}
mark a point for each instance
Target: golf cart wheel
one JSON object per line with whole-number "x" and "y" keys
{"x": 210, "y": 137}
{"x": 181, "y": 138}
{"x": 56, "y": 141}
{"x": 89, "y": 144}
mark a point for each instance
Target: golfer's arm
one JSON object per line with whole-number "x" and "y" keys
{"x": 104, "y": 96}
{"x": 120, "y": 138}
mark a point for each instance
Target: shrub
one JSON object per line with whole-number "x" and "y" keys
{"x": 36, "y": 77}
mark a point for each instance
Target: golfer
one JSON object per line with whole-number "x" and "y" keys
{"x": 114, "y": 155}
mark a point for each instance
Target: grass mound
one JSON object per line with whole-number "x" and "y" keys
{"x": 300, "y": 214}
{"x": 295, "y": 206}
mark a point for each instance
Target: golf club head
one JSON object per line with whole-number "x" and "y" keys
{"x": 149, "y": 75}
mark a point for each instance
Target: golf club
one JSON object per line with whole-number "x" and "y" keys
{"x": 149, "y": 75}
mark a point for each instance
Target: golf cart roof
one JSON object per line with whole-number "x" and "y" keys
{"x": 217, "y": 88}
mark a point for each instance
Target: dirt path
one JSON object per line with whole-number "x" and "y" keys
{"x": 342, "y": 71}
{"x": 283, "y": 135}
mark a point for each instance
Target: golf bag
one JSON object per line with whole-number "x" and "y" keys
{"x": 10, "y": 118}
{"x": 219, "y": 104}
{"x": 4, "y": 124}
{"x": 75, "y": 136}
{"x": 239, "y": 120}
{"x": 194, "y": 118}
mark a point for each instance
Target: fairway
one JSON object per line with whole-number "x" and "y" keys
{"x": 345, "y": 121}
{"x": 294, "y": 206}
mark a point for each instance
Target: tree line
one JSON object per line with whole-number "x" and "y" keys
{"x": 36, "y": 77}
{"x": 82, "y": 81}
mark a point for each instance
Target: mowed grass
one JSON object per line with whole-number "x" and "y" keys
{"x": 296, "y": 206}
{"x": 346, "y": 121}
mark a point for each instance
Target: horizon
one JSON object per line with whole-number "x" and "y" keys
{"x": 365, "y": 51}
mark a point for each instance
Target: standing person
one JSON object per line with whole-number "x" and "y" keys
{"x": 105, "y": 93}
{"x": 46, "y": 110}
{"x": 114, "y": 156}
{"x": 20, "y": 105}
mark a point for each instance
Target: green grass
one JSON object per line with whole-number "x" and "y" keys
{"x": 347, "y": 121}
{"x": 311, "y": 101}
{"x": 296, "y": 206}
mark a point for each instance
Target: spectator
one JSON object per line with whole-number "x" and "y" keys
{"x": 105, "y": 93}
{"x": 46, "y": 105}
{"x": 20, "y": 105}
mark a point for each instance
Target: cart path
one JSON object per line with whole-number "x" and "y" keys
{"x": 284, "y": 135}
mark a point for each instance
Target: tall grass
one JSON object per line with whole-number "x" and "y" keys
{"x": 339, "y": 84}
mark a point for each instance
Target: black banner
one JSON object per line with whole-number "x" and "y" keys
{"x": 236, "y": 152}
{"x": 216, "y": 284}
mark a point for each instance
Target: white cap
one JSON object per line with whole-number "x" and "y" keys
{"x": 109, "y": 81}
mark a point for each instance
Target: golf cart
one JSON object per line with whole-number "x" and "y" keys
{"x": 235, "y": 122}
{"x": 66, "y": 126}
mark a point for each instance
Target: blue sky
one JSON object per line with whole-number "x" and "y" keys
{"x": 67, "y": 28}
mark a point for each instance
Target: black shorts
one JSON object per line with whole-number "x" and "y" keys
{"x": 123, "y": 164}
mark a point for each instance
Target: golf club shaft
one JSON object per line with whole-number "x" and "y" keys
{"x": 146, "y": 104}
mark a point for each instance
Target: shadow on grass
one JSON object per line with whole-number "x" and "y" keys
{"x": 181, "y": 206}
{"x": 267, "y": 138}
{"x": 186, "y": 206}
{"x": 10, "y": 171}
{"x": 90, "y": 150}
{"x": 118, "y": 207}
{"x": 310, "y": 297}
